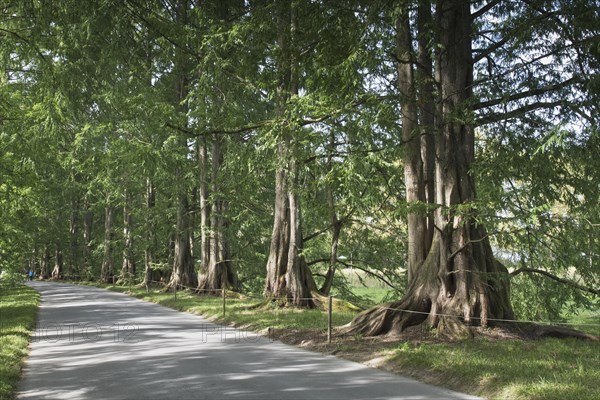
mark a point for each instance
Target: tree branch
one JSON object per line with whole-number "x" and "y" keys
{"x": 528, "y": 93}
{"x": 497, "y": 117}
{"x": 556, "y": 278}
{"x": 485, "y": 9}
{"x": 381, "y": 278}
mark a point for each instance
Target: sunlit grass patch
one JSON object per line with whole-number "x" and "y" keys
{"x": 508, "y": 369}
{"x": 18, "y": 308}
{"x": 240, "y": 311}
{"x": 492, "y": 368}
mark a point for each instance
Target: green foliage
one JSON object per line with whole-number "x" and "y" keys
{"x": 89, "y": 112}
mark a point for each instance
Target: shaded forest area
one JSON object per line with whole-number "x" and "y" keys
{"x": 447, "y": 148}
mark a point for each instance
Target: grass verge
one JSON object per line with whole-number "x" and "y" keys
{"x": 494, "y": 367}
{"x": 18, "y": 309}
{"x": 506, "y": 369}
{"x": 239, "y": 310}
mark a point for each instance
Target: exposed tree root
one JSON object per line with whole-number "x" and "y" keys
{"x": 561, "y": 332}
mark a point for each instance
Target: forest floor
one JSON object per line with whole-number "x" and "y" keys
{"x": 494, "y": 363}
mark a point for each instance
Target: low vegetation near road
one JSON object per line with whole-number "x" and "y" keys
{"x": 18, "y": 308}
{"x": 494, "y": 365}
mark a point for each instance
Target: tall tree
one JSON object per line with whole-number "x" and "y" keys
{"x": 216, "y": 268}
{"x": 183, "y": 272}
{"x": 454, "y": 279}
{"x": 288, "y": 275}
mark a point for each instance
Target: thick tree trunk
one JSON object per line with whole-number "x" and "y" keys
{"x": 218, "y": 273}
{"x": 45, "y": 263}
{"x": 299, "y": 279}
{"x": 107, "y": 260}
{"x": 128, "y": 268}
{"x": 288, "y": 275}
{"x": 149, "y": 273}
{"x": 411, "y": 139}
{"x": 183, "y": 273}
{"x": 426, "y": 104}
{"x": 72, "y": 267}
{"x": 275, "y": 285}
{"x": 204, "y": 205}
{"x": 459, "y": 283}
{"x": 58, "y": 263}
{"x": 88, "y": 219}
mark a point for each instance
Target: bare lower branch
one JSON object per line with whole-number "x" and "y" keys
{"x": 556, "y": 278}
{"x": 525, "y": 94}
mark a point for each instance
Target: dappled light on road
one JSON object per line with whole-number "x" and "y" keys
{"x": 95, "y": 344}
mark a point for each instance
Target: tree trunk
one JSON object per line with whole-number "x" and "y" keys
{"x": 183, "y": 273}
{"x": 218, "y": 273}
{"x": 128, "y": 268}
{"x": 411, "y": 138}
{"x": 459, "y": 283}
{"x": 426, "y": 105}
{"x": 336, "y": 224}
{"x": 288, "y": 276}
{"x": 149, "y": 274}
{"x": 335, "y": 238}
{"x": 45, "y": 263}
{"x": 58, "y": 263}
{"x": 107, "y": 260}
{"x": 72, "y": 267}
{"x": 204, "y": 205}
{"x": 88, "y": 219}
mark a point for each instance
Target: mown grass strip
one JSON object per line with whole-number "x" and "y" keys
{"x": 552, "y": 369}
{"x": 496, "y": 369}
{"x": 240, "y": 311}
{"x": 18, "y": 309}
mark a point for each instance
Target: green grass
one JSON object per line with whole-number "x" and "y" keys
{"x": 239, "y": 312}
{"x": 496, "y": 369}
{"x": 508, "y": 369}
{"x": 587, "y": 321}
{"x": 18, "y": 308}
{"x": 374, "y": 295}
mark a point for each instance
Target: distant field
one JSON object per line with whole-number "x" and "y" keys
{"x": 586, "y": 320}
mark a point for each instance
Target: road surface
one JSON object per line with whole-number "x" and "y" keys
{"x": 91, "y": 343}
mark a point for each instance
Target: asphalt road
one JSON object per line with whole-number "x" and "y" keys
{"x": 95, "y": 344}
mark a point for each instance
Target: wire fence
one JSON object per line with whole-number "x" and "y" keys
{"x": 329, "y": 304}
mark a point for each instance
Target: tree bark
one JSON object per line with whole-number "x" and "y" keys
{"x": 58, "y": 263}
{"x": 204, "y": 204}
{"x": 411, "y": 137}
{"x": 288, "y": 276}
{"x": 45, "y": 263}
{"x": 216, "y": 268}
{"x": 183, "y": 273}
{"x": 72, "y": 267}
{"x": 218, "y": 273}
{"x": 151, "y": 244}
{"x": 128, "y": 268}
{"x": 459, "y": 283}
{"x": 107, "y": 260}
{"x": 426, "y": 103}
{"x": 88, "y": 219}
{"x": 336, "y": 225}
